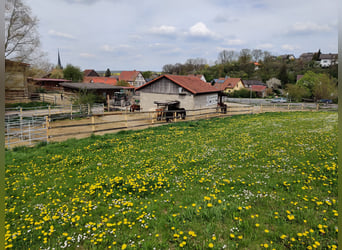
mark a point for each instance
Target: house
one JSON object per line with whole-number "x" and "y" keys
{"x": 256, "y": 86}
{"x": 249, "y": 83}
{"x": 16, "y": 87}
{"x": 90, "y": 72}
{"x": 306, "y": 57}
{"x": 134, "y": 78}
{"x": 260, "y": 90}
{"x": 190, "y": 92}
{"x": 100, "y": 79}
{"x": 299, "y": 77}
{"x": 229, "y": 85}
{"x": 326, "y": 60}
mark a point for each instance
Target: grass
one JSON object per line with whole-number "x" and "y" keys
{"x": 244, "y": 182}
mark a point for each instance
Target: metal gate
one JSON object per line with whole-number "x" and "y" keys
{"x": 24, "y": 131}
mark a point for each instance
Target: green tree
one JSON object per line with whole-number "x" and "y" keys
{"x": 122, "y": 83}
{"x": 297, "y": 92}
{"x": 325, "y": 88}
{"x": 57, "y": 73}
{"x": 108, "y": 73}
{"x": 282, "y": 76}
{"x": 73, "y": 73}
{"x": 147, "y": 74}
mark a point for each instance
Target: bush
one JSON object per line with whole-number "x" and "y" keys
{"x": 243, "y": 93}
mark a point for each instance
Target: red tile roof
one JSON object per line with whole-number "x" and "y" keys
{"x": 128, "y": 76}
{"x": 229, "y": 83}
{"x": 258, "y": 88}
{"x": 99, "y": 79}
{"x": 191, "y": 84}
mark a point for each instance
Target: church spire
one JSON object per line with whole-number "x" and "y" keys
{"x": 59, "y": 65}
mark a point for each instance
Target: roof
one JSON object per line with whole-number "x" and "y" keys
{"x": 10, "y": 62}
{"x": 253, "y": 82}
{"x": 92, "y": 86}
{"x": 100, "y": 79}
{"x": 191, "y": 84}
{"x": 90, "y": 72}
{"x": 299, "y": 77}
{"x": 328, "y": 56}
{"x": 258, "y": 88}
{"x": 128, "y": 76}
{"x": 48, "y": 79}
{"x": 229, "y": 83}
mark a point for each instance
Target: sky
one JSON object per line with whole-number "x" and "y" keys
{"x": 148, "y": 34}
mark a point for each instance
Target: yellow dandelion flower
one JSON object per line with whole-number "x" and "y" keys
{"x": 211, "y": 245}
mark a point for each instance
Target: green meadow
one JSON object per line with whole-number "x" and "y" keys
{"x": 264, "y": 181}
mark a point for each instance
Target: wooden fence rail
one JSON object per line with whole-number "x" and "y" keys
{"x": 98, "y": 124}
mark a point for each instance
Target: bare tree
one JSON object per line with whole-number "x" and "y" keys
{"x": 245, "y": 56}
{"x": 21, "y": 36}
{"x": 257, "y": 54}
{"x": 226, "y": 56}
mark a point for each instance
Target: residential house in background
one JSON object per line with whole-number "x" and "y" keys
{"x": 90, "y": 72}
{"x": 306, "y": 57}
{"x": 16, "y": 87}
{"x": 229, "y": 85}
{"x": 190, "y": 92}
{"x": 256, "y": 86}
{"x": 134, "y": 78}
{"x": 326, "y": 60}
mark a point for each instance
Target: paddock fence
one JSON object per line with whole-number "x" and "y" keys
{"x": 59, "y": 123}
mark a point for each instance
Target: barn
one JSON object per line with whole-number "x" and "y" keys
{"x": 191, "y": 92}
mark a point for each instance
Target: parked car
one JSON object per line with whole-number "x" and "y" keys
{"x": 327, "y": 101}
{"x": 279, "y": 100}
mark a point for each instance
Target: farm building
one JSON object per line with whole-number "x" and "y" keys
{"x": 191, "y": 92}
{"x": 16, "y": 87}
{"x": 99, "y": 89}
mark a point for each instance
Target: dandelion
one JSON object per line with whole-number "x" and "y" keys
{"x": 209, "y": 205}
{"x": 283, "y": 237}
{"x": 211, "y": 245}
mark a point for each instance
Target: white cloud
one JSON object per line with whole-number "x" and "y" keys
{"x": 289, "y": 47}
{"x": 265, "y": 46}
{"x": 235, "y": 42}
{"x": 308, "y": 27}
{"x": 107, "y": 48}
{"x": 163, "y": 30}
{"x": 200, "y": 30}
{"x": 87, "y": 55}
{"x": 60, "y": 34}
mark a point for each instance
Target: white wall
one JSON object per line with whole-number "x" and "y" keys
{"x": 186, "y": 101}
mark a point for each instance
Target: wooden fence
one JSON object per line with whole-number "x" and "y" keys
{"x": 53, "y": 129}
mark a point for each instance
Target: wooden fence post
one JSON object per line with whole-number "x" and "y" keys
{"x": 302, "y": 106}
{"x": 93, "y": 124}
{"x": 47, "y": 128}
{"x": 70, "y": 111}
{"x": 261, "y": 108}
{"x": 317, "y": 107}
